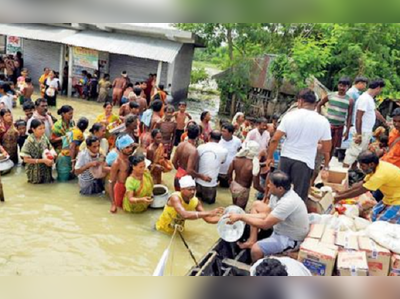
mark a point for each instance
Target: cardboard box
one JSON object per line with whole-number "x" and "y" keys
{"x": 338, "y": 179}
{"x": 317, "y": 231}
{"x": 352, "y": 264}
{"x": 378, "y": 258}
{"x": 347, "y": 241}
{"x": 322, "y": 206}
{"x": 318, "y": 258}
{"x": 329, "y": 237}
{"x": 395, "y": 265}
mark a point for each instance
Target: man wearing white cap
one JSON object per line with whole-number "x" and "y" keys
{"x": 246, "y": 167}
{"x": 184, "y": 206}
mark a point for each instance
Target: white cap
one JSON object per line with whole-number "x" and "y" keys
{"x": 187, "y": 182}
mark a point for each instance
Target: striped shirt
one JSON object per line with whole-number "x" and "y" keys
{"x": 338, "y": 109}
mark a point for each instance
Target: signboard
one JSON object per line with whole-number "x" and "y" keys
{"x": 86, "y": 58}
{"x": 13, "y": 44}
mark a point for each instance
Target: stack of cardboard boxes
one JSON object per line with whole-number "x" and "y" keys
{"x": 324, "y": 250}
{"x": 395, "y": 266}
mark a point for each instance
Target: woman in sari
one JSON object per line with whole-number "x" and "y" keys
{"x": 156, "y": 153}
{"x": 109, "y": 120}
{"x": 104, "y": 89}
{"x": 62, "y": 126}
{"x": 52, "y": 88}
{"x": 70, "y": 149}
{"x": 238, "y": 123}
{"x": 38, "y": 154}
{"x": 9, "y": 135}
{"x": 98, "y": 130}
{"x": 139, "y": 187}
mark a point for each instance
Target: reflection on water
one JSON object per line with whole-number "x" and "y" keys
{"x": 52, "y": 230}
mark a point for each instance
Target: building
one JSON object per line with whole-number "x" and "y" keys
{"x": 108, "y": 48}
{"x": 261, "y": 98}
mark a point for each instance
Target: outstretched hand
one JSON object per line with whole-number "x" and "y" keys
{"x": 233, "y": 218}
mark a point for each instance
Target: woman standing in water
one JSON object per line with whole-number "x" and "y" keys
{"x": 139, "y": 187}
{"x": 70, "y": 149}
{"x": 62, "y": 126}
{"x": 52, "y": 88}
{"x": 39, "y": 164}
{"x": 104, "y": 89}
{"x": 107, "y": 118}
{"x": 98, "y": 130}
{"x": 9, "y": 135}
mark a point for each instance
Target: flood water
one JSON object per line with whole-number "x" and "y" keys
{"x": 52, "y": 230}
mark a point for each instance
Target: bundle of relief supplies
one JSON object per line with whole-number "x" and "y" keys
{"x": 358, "y": 207}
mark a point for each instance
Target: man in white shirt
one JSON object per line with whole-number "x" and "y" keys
{"x": 41, "y": 113}
{"x": 360, "y": 85}
{"x": 232, "y": 144}
{"x": 211, "y": 156}
{"x": 260, "y": 134}
{"x": 366, "y": 115}
{"x": 6, "y": 99}
{"x": 304, "y": 130}
{"x": 286, "y": 213}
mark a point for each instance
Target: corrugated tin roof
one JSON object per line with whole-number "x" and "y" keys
{"x": 142, "y": 47}
{"x": 137, "y": 46}
{"x": 36, "y": 32}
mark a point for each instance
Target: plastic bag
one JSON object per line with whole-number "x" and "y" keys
{"x": 385, "y": 234}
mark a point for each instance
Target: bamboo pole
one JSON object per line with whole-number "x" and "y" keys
{"x": 2, "y": 199}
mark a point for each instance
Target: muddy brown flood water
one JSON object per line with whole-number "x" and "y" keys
{"x": 52, "y": 230}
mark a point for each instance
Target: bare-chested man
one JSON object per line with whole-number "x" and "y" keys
{"x": 128, "y": 94}
{"x": 149, "y": 123}
{"x": 186, "y": 158}
{"x": 141, "y": 100}
{"x": 129, "y": 108}
{"x": 167, "y": 127}
{"x": 246, "y": 167}
{"x": 119, "y": 86}
{"x": 181, "y": 118}
{"x": 120, "y": 171}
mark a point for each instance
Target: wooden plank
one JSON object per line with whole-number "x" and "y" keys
{"x": 239, "y": 269}
{"x": 209, "y": 262}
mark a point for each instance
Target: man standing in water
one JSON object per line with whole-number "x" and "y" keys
{"x": 183, "y": 206}
{"x": 186, "y": 158}
{"x": 41, "y": 113}
{"x": 119, "y": 86}
{"x": 120, "y": 171}
{"x": 181, "y": 117}
{"x": 246, "y": 167}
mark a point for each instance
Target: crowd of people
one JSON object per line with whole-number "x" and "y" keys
{"x": 127, "y": 153}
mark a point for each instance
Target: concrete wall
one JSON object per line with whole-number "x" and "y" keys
{"x": 138, "y": 69}
{"x": 181, "y": 70}
{"x": 38, "y": 55}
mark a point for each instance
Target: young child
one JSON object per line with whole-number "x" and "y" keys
{"x": 380, "y": 146}
{"x": 20, "y": 125}
{"x": 181, "y": 118}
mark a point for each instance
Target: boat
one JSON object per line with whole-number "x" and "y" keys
{"x": 223, "y": 259}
